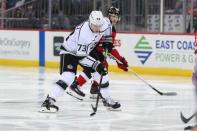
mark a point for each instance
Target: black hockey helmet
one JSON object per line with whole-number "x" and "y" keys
{"x": 113, "y": 11}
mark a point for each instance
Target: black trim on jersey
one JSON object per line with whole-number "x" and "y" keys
{"x": 90, "y": 60}
{"x": 77, "y": 27}
{"x": 62, "y": 48}
{"x": 104, "y": 30}
{"x": 70, "y": 52}
{"x": 80, "y": 29}
{"x": 90, "y": 28}
{"x": 107, "y": 36}
{"x": 70, "y": 34}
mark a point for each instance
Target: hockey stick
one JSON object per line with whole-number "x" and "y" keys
{"x": 99, "y": 89}
{"x": 97, "y": 99}
{"x": 159, "y": 92}
{"x": 186, "y": 120}
{"x": 134, "y": 73}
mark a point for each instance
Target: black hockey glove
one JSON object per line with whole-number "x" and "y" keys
{"x": 99, "y": 68}
{"x": 108, "y": 46}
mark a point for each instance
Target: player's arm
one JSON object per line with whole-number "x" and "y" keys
{"x": 108, "y": 45}
{"x": 121, "y": 61}
{"x": 105, "y": 44}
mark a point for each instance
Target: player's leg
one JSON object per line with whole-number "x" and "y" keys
{"x": 105, "y": 92}
{"x": 68, "y": 66}
{"x": 90, "y": 65}
{"x": 74, "y": 89}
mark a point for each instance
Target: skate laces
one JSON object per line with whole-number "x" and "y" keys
{"x": 50, "y": 100}
{"x": 78, "y": 88}
{"x": 74, "y": 87}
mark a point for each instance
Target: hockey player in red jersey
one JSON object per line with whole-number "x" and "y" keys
{"x": 106, "y": 43}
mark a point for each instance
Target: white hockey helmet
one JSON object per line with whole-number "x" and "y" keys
{"x": 96, "y": 18}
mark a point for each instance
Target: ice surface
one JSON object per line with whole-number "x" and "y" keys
{"x": 22, "y": 90}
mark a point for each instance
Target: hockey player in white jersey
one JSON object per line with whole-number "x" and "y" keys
{"x": 75, "y": 50}
{"x": 105, "y": 44}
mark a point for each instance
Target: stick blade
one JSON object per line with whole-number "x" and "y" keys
{"x": 186, "y": 120}
{"x": 170, "y": 94}
{"x": 92, "y": 114}
{"x": 183, "y": 118}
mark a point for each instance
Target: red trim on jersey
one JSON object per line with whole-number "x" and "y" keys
{"x": 81, "y": 81}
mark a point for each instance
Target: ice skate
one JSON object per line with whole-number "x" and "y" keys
{"x": 111, "y": 104}
{"x": 74, "y": 91}
{"x": 94, "y": 91}
{"x": 48, "y": 106}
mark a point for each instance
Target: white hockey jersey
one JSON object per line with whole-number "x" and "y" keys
{"x": 82, "y": 40}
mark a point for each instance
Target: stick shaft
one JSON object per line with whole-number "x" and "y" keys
{"x": 99, "y": 89}
{"x": 133, "y": 72}
{"x": 138, "y": 76}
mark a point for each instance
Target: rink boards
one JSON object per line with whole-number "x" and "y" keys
{"x": 166, "y": 54}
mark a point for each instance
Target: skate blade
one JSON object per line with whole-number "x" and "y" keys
{"x": 45, "y": 110}
{"x": 112, "y": 109}
{"x": 75, "y": 95}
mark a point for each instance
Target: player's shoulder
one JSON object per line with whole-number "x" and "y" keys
{"x": 81, "y": 25}
{"x": 107, "y": 20}
{"x": 106, "y": 24}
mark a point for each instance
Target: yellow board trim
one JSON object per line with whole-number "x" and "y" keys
{"x": 141, "y": 70}
{"x": 14, "y": 62}
{"x": 158, "y": 71}
{"x": 51, "y": 64}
